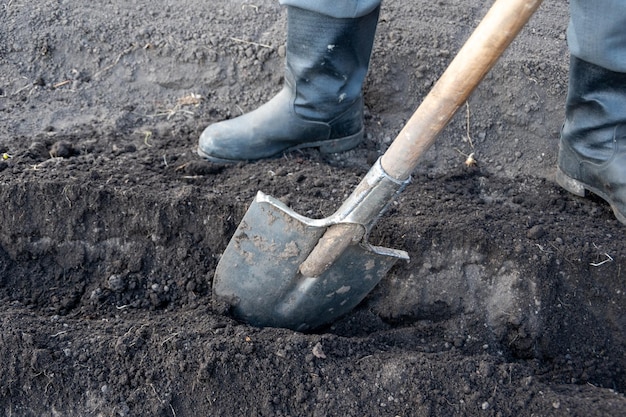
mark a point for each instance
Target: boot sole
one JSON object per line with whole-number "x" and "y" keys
{"x": 328, "y": 146}
{"x": 580, "y": 189}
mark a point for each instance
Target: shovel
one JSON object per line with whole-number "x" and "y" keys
{"x": 281, "y": 269}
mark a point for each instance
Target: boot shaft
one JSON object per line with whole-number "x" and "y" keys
{"x": 327, "y": 61}
{"x": 596, "y": 104}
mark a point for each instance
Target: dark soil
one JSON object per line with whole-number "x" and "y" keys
{"x": 513, "y": 303}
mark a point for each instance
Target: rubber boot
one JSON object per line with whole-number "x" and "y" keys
{"x": 321, "y": 103}
{"x": 592, "y": 150}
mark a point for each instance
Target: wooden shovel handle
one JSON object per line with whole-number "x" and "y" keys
{"x": 479, "y": 54}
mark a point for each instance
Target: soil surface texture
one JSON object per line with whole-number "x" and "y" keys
{"x": 111, "y": 227}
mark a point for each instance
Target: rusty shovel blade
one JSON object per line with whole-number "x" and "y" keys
{"x": 258, "y": 274}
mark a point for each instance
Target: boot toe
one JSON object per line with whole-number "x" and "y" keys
{"x": 215, "y": 146}
{"x": 236, "y": 140}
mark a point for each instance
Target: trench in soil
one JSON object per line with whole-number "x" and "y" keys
{"x": 484, "y": 263}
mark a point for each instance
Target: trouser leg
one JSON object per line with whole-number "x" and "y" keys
{"x": 597, "y": 32}
{"x": 336, "y": 8}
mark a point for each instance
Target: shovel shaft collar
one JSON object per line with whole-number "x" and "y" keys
{"x": 369, "y": 201}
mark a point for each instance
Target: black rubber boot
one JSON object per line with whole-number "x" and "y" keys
{"x": 321, "y": 103}
{"x": 592, "y": 151}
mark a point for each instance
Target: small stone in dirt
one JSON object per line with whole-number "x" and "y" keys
{"x": 62, "y": 149}
{"x": 116, "y": 283}
{"x": 536, "y": 232}
{"x": 318, "y": 352}
{"x": 38, "y": 150}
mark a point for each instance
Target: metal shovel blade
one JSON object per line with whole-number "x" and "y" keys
{"x": 258, "y": 274}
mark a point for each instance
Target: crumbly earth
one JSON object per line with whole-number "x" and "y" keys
{"x": 513, "y": 303}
